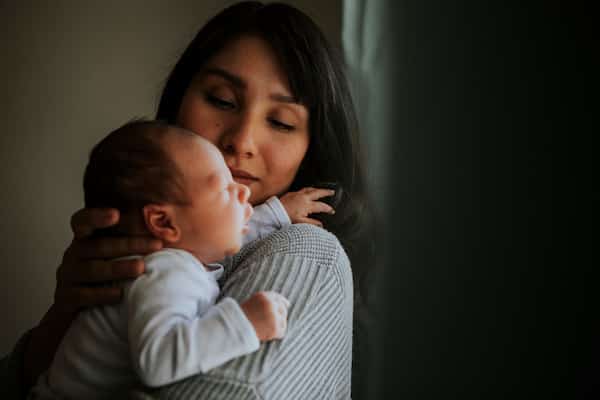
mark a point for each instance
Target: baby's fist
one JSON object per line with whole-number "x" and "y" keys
{"x": 267, "y": 312}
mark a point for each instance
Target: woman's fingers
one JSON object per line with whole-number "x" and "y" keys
{"x": 87, "y": 276}
{"x": 85, "y": 221}
{"x": 95, "y": 271}
{"x": 74, "y": 298}
{"x": 113, "y": 247}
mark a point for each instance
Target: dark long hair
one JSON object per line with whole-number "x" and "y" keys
{"x": 315, "y": 72}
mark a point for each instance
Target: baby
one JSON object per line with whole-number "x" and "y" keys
{"x": 174, "y": 185}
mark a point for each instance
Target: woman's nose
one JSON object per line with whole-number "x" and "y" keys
{"x": 240, "y": 139}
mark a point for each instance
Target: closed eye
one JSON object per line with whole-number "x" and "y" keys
{"x": 220, "y": 103}
{"x": 280, "y": 125}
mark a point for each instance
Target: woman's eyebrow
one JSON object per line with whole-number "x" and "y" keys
{"x": 240, "y": 83}
{"x": 233, "y": 79}
{"x": 284, "y": 98}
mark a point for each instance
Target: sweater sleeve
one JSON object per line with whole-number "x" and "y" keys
{"x": 174, "y": 329}
{"x": 313, "y": 361}
{"x": 11, "y": 371}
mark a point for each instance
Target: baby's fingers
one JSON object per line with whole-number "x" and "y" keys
{"x": 312, "y": 221}
{"x": 277, "y": 298}
{"x": 282, "y": 308}
{"x": 280, "y": 322}
{"x": 285, "y": 301}
{"x": 318, "y": 193}
{"x": 280, "y": 329}
{"x": 279, "y": 303}
{"x": 320, "y": 207}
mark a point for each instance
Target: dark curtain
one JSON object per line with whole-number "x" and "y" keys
{"x": 479, "y": 118}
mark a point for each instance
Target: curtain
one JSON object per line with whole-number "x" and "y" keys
{"x": 368, "y": 43}
{"x": 467, "y": 108}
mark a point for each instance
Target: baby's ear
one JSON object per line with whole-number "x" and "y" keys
{"x": 161, "y": 222}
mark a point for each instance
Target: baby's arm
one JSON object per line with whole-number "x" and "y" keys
{"x": 266, "y": 218}
{"x": 293, "y": 207}
{"x": 169, "y": 335}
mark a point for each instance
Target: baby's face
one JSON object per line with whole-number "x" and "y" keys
{"x": 216, "y": 219}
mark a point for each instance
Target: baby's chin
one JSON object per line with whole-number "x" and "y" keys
{"x": 233, "y": 250}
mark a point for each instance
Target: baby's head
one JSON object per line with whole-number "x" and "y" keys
{"x": 169, "y": 183}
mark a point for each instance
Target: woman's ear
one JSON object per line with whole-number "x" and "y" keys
{"x": 161, "y": 222}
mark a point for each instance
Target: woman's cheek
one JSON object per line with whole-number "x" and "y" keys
{"x": 199, "y": 126}
{"x": 289, "y": 163}
{"x": 195, "y": 116}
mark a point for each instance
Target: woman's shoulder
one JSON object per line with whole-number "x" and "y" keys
{"x": 302, "y": 240}
{"x": 294, "y": 250}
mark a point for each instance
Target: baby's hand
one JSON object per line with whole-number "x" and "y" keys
{"x": 299, "y": 205}
{"x": 267, "y": 311}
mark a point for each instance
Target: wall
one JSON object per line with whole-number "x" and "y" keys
{"x": 71, "y": 72}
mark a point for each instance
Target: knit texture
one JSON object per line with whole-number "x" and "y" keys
{"x": 314, "y": 360}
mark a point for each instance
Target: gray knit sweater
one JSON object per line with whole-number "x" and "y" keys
{"x": 308, "y": 266}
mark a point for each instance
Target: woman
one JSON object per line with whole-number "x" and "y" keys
{"x": 261, "y": 83}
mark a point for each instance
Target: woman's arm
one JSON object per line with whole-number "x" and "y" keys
{"x": 80, "y": 282}
{"x": 42, "y": 343}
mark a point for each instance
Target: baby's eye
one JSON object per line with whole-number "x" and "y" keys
{"x": 220, "y": 102}
{"x": 281, "y": 125}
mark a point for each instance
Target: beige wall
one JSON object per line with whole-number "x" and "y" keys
{"x": 72, "y": 71}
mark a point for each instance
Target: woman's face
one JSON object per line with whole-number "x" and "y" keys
{"x": 241, "y": 102}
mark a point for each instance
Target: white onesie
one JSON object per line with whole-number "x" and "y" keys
{"x": 167, "y": 327}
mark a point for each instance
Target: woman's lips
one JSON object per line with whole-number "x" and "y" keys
{"x": 241, "y": 176}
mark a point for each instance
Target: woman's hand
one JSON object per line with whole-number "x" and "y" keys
{"x": 87, "y": 276}
{"x": 299, "y": 205}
